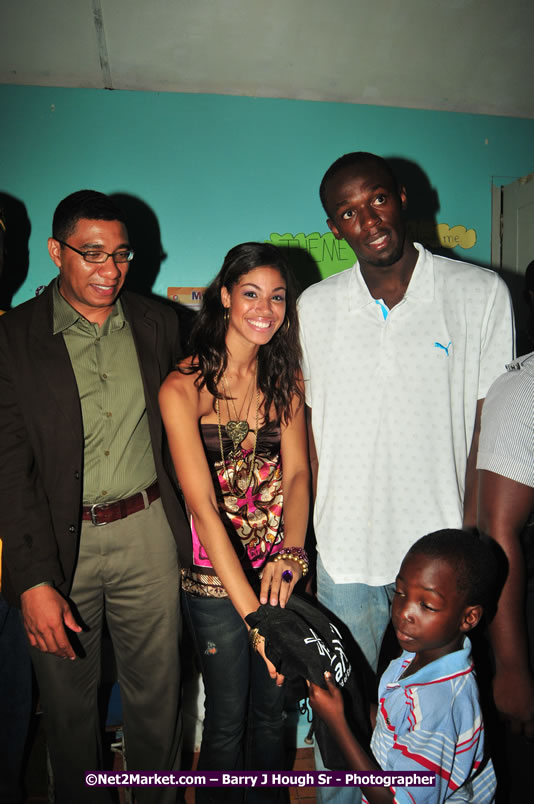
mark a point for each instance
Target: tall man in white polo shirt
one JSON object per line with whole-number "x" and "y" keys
{"x": 399, "y": 352}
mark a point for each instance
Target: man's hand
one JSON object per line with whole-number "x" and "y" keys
{"x": 513, "y": 693}
{"x": 46, "y": 613}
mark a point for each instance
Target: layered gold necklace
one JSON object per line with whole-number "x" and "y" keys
{"x": 237, "y": 429}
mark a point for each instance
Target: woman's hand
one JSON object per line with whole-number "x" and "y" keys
{"x": 275, "y": 589}
{"x": 260, "y": 648}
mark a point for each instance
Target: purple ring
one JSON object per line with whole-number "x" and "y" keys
{"x": 287, "y": 576}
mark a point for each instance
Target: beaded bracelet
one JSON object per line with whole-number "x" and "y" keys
{"x": 297, "y": 554}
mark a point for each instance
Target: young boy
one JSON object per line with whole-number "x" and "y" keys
{"x": 429, "y": 716}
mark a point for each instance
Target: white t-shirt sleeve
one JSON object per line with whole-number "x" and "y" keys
{"x": 506, "y": 444}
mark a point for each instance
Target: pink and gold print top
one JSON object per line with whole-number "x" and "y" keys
{"x": 252, "y": 516}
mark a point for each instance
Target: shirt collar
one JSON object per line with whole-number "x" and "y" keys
{"x": 421, "y": 286}
{"x": 66, "y": 316}
{"x": 459, "y": 661}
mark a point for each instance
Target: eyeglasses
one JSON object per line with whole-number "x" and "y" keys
{"x": 123, "y": 255}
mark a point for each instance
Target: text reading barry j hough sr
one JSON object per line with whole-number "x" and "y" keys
{"x": 261, "y": 779}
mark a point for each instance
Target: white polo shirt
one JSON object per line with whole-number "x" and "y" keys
{"x": 393, "y": 398}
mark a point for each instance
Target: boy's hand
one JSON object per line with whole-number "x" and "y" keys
{"x": 327, "y": 704}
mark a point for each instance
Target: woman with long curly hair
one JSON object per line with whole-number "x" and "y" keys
{"x": 234, "y": 415}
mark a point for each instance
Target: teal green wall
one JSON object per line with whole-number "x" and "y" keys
{"x": 218, "y": 170}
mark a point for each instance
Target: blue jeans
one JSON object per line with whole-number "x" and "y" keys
{"x": 365, "y": 610}
{"x": 244, "y": 709}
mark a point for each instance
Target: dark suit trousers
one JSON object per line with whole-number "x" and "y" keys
{"x": 127, "y": 572}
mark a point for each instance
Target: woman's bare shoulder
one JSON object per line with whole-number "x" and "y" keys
{"x": 182, "y": 387}
{"x": 182, "y": 380}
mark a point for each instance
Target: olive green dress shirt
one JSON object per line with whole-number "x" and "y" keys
{"x": 118, "y": 458}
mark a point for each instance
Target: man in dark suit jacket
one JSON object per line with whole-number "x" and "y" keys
{"x": 89, "y": 512}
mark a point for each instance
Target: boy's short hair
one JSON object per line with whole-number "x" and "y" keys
{"x": 82, "y": 204}
{"x": 473, "y": 558}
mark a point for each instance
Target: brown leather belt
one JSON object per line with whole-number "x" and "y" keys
{"x": 103, "y": 513}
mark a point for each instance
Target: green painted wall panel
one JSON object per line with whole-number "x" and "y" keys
{"x": 218, "y": 170}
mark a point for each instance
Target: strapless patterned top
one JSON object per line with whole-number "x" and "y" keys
{"x": 251, "y": 514}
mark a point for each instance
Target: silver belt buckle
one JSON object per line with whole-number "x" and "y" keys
{"x": 93, "y": 514}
